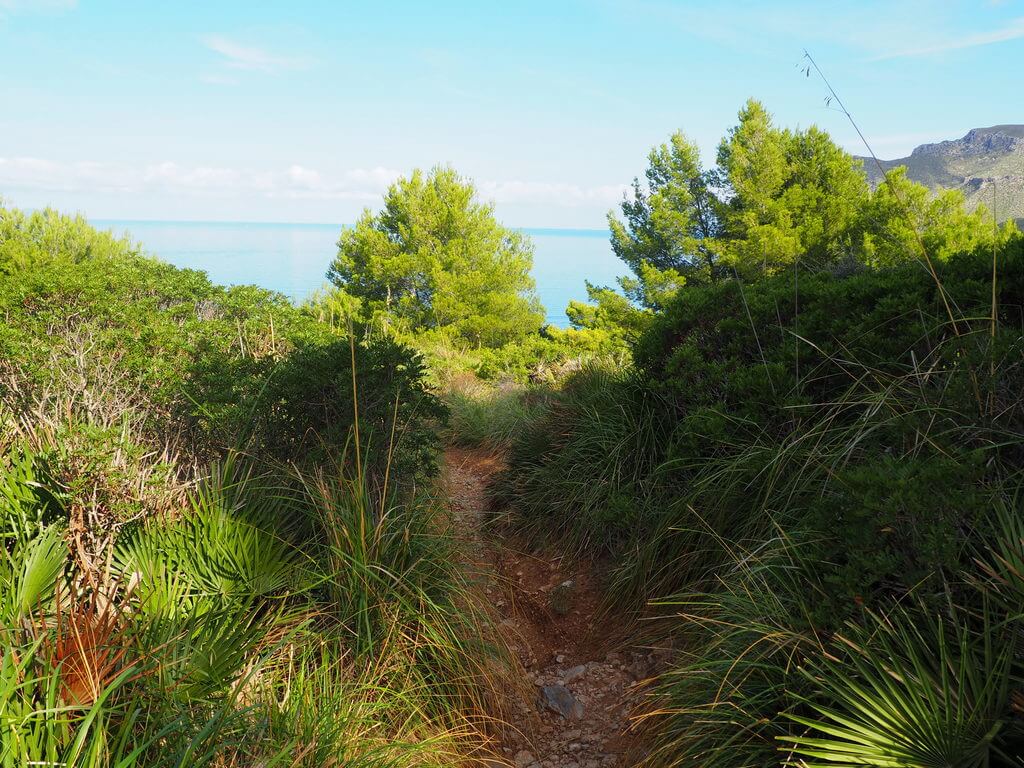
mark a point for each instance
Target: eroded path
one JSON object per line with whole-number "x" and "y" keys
{"x": 581, "y": 682}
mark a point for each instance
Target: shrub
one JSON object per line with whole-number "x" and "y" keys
{"x": 844, "y": 407}
{"x": 579, "y": 466}
{"x": 482, "y": 414}
{"x": 822, "y": 447}
{"x": 207, "y": 558}
{"x": 95, "y": 329}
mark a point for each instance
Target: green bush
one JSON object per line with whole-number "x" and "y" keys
{"x": 789, "y": 458}
{"x": 107, "y": 331}
{"x": 579, "y": 465}
{"x": 207, "y": 559}
{"x": 205, "y": 624}
{"x": 844, "y": 402}
{"x": 491, "y": 416}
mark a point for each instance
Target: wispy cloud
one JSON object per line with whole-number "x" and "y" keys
{"x": 10, "y": 8}
{"x": 296, "y": 182}
{"x": 13, "y": 6}
{"x": 553, "y": 193}
{"x": 877, "y": 29}
{"x": 1012, "y": 30}
{"x": 251, "y": 58}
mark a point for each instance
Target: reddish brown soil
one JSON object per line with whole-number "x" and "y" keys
{"x": 582, "y": 648}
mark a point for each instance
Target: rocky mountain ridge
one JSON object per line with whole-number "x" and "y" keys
{"x": 987, "y": 165}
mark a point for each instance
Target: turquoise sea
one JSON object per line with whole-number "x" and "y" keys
{"x": 293, "y": 258}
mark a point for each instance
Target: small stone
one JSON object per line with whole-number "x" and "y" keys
{"x": 522, "y": 759}
{"x": 578, "y": 671}
{"x": 559, "y": 699}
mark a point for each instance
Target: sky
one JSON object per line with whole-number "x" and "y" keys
{"x": 306, "y": 111}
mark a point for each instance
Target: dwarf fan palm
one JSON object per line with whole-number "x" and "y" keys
{"x": 914, "y": 691}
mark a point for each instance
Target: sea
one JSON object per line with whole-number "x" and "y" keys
{"x": 293, "y": 258}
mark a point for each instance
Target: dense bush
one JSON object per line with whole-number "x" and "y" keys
{"x": 857, "y": 404}
{"x": 789, "y": 459}
{"x": 111, "y": 333}
{"x": 579, "y": 466}
{"x": 206, "y": 558}
{"x": 851, "y": 397}
{"x": 303, "y": 619}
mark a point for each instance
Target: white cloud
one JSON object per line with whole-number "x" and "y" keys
{"x": 199, "y": 178}
{"x": 239, "y": 56}
{"x": 296, "y": 182}
{"x": 1012, "y": 30}
{"x": 38, "y": 173}
{"x": 552, "y": 193}
{"x": 367, "y": 184}
{"x": 877, "y": 29}
{"x": 28, "y": 6}
{"x": 304, "y": 177}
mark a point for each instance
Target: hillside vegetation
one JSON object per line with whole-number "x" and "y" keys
{"x": 986, "y": 166}
{"x": 205, "y": 561}
{"x": 790, "y": 441}
{"x": 808, "y": 482}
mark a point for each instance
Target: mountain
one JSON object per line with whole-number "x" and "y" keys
{"x": 984, "y": 159}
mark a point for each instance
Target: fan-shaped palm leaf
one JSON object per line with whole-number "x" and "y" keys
{"x": 917, "y": 691}
{"x": 29, "y": 575}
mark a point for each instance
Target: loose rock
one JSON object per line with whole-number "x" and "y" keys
{"x": 559, "y": 699}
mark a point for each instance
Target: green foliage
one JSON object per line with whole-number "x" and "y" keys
{"x": 143, "y": 356}
{"x": 435, "y": 257}
{"x": 670, "y": 228}
{"x": 913, "y": 691}
{"x": 227, "y": 547}
{"x": 847, "y": 405}
{"x": 484, "y": 415}
{"x": 776, "y": 198}
{"x": 741, "y": 642}
{"x": 902, "y": 218}
{"x": 820, "y": 444}
{"x": 609, "y": 314}
{"x": 1001, "y": 558}
{"x": 601, "y": 424}
{"x": 792, "y": 195}
{"x": 310, "y": 582}
{"x": 29, "y": 573}
{"x": 256, "y": 577}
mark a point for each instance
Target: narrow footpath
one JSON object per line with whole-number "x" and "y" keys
{"x": 582, "y": 683}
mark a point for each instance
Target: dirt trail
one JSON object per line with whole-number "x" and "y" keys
{"x": 582, "y": 681}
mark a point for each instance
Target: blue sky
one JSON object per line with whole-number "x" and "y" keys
{"x": 304, "y": 111}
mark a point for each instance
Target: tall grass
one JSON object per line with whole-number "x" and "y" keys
{"x": 219, "y": 540}
{"x": 488, "y": 415}
{"x": 821, "y": 521}
{"x": 742, "y": 640}
{"x": 579, "y": 469}
{"x": 281, "y": 618}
